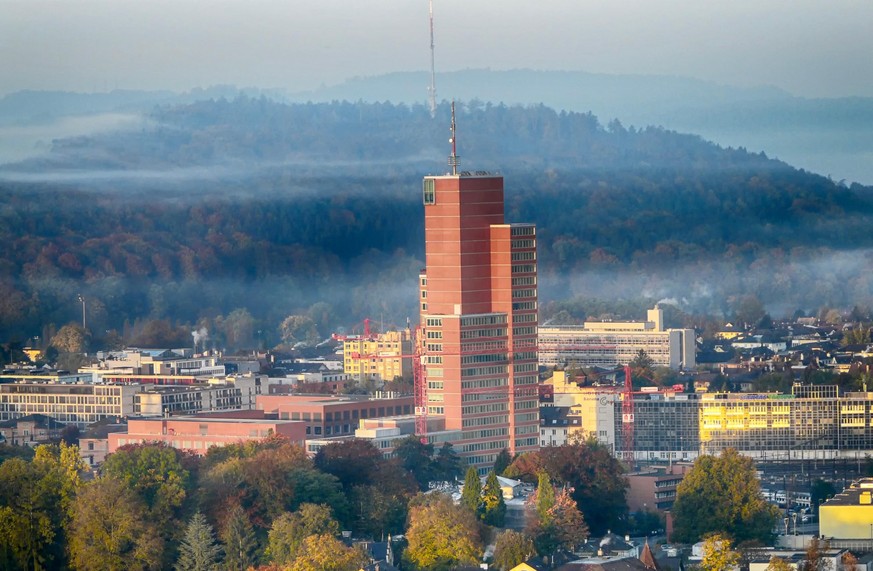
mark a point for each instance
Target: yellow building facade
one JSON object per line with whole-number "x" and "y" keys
{"x": 849, "y": 515}
{"x": 380, "y": 357}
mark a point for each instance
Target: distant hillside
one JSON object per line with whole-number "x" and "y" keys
{"x": 255, "y": 204}
{"x": 828, "y": 136}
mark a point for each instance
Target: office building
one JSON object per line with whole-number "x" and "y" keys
{"x": 478, "y": 312}
{"x": 381, "y": 357}
{"x": 611, "y": 344}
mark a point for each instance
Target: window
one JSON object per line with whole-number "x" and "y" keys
{"x": 428, "y": 191}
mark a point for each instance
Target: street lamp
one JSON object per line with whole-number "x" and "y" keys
{"x": 82, "y": 299}
{"x": 794, "y": 517}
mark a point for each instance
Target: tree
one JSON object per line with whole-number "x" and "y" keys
{"x": 557, "y": 522}
{"x": 290, "y": 529}
{"x": 544, "y": 499}
{"x": 70, "y": 338}
{"x": 722, "y": 495}
{"x": 416, "y": 458}
{"x": 240, "y": 543}
{"x": 779, "y": 564}
{"x": 815, "y": 560}
{"x": 850, "y": 562}
{"x": 512, "y": 548}
{"x": 819, "y": 491}
{"x": 198, "y": 550}
{"x": 447, "y": 465}
{"x": 298, "y": 329}
{"x": 354, "y": 462}
{"x": 442, "y": 535}
{"x": 111, "y": 530}
{"x": 471, "y": 495}
{"x": 642, "y": 364}
{"x": 327, "y": 553}
{"x": 493, "y": 506}
{"x": 718, "y": 555}
{"x": 596, "y": 478}
{"x": 502, "y": 462}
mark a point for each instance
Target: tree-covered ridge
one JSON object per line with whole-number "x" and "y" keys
{"x": 250, "y": 203}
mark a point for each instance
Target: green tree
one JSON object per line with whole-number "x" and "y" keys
{"x": 198, "y": 550}
{"x": 327, "y": 553}
{"x": 240, "y": 542}
{"x": 641, "y": 365}
{"x": 511, "y": 549}
{"x": 442, "y": 535}
{"x": 471, "y": 495}
{"x": 111, "y": 530}
{"x": 493, "y": 506}
{"x": 718, "y": 555}
{"x": 447, "y": 465}
{"x": 290, "y": 529}
{"x": 596, "y": 478}
{"x": 502, "y": 462}
{"x": 722, "y": 495}
{"x": 819, "y": 491}
{"x": 544, "y": 497}
{"x": 416, "y": 458}
{"x": 354, "y": 462}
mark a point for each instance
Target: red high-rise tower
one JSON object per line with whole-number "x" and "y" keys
{"x": 478, "y": 299}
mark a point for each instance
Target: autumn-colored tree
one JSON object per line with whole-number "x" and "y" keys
{"x": 493, "y": 506}
{"x": 442, "y": 535}
{"x": 525, "y": 467}
{"x": 290, "y": 529}
{"x": 596, "y": 478}
{"x": 327, "y": 553}
{"x": 814, "y": 559}
{"x": 779, "y": 564}
{"x": 70, "y": 338}
{"x": 298, "y": 329}
{"x": 557, "y": 521}
{"x": 850, "y": 562}
{"x": 111, "y": 530}
{"x": 722, "y": 495}
{"x": 511, "y": 549}
{"x": 354, "y": 462}
{"x": 718, "y": 555}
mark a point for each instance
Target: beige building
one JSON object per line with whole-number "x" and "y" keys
{"x": 379, "y": 357}
{"x": 77, "y": 404}
{"x": 612, "y": 344}
{"x": 849, "y": 514}
{"x": 593, "y": 406}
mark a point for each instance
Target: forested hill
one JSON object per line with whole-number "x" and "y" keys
{"x": 249, "y": 203}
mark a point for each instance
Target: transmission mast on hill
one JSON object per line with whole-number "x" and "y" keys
{"x": 431, "y": 91}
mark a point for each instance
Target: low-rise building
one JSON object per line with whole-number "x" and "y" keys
{"x": 655, "y": 489}
{"x": 198, "y": 433}
{"x": 79, "y": 404}
{"x": 31, "y": 430}
{"x": 330, "y": 415}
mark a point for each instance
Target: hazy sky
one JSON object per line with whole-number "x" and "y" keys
{"x": 808, "y": 47}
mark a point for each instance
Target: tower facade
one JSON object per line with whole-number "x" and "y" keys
{"x": 478, "y": 300}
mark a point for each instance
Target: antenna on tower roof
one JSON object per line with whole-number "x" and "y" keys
{"x": 432, "y": 89}
{"x": 454, "y": 159}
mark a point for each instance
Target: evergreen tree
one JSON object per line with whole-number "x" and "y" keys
{"x": 502, "y": 462}
{"x": 471, "y": 497}
{"x": 493, "y": 506}
{"x": 198, "y": 550}
{"x": 240, "y": 544}
{"x": 545, "y": 497}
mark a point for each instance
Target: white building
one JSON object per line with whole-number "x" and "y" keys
{"x": 616, "y": 343}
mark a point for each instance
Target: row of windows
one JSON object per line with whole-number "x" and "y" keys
{"x": 528, "y": 417}
{"x": 523, "y": 244}
{"x": 525, "y": 442}
{"x": 524, "y": 330}
{"x": 521, "y": 405}
{"x": 483, "y": 358}
{"x": 435, "y": 347}
{"x": 526, "y": 368}
{"x": 434, "y": 334}
{"x": 524, "y": 317}
{"x": 476, "y": 333}
{"x": 526, "y": 380}
{"x": 428, "y": 191}
{"x": 484, "y": 433}
{"x": 434, "y": 372}
{"x": 524, "y": 269}
{"x": 480, "y": 371}
{"x": 483, "y": 346}
{"x": 484, "y": 384}
{"x": 523, "y": 256}
{"x": 479, "y": 446}
{"x": 485, "y": 408}
{"x": 476, "y": 397}
{"x": 435, "y": 397}
{"x": 496, "y": 319}
{"x": 485, "y": 421}
{"x": 527, "y": 230}
{"x": 438, "y": 385}
{"x": 520, "y": 293}
{"x": 524, "y": 281}
{"x": 434, "y": 359}
{"x": 525, "y": 356}
{"x": 523, "y": 305}
{"x": 434, "y": 321}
